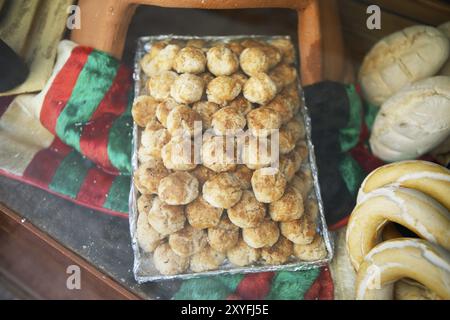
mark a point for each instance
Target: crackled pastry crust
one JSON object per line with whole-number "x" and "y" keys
{"x": 206, "y": 110}
{"x": 201, "y": 215}
{"x": 154, "y": 138}
{"x": 179, "y": 154}
{"x": 283, "y": 107}
{"x": 144, "y": 203}
{"x": 145, "y": 155}
{"x": 222, "y": 191}
{"x": 224, "y": 236}
{"x": 244, "y": 176}
{"x": 248, "y": 212}
{"x": 164, "y": 218}
{"x": 242, "y": 254}
{"x": 188, "y": 241}
{"x": 148, "y": 238}
{"x": 187, "y": 88}
{"x": 286, "y": 48}
{"x": 144, "y": 110}
{"x": 219, "y": 153}
{"x": 287, "y": 167}
{"x": 268, "y": 184}
{"x": 289, "y": 207}
{"x": 163, "y": 109}
{"x": 240, "y": 77}
{"x": 254, "y": 60}
{"x": 183, "y": 120}
{"x": 260, "y": 89}
{"x": 162, "y": 61}
{"x": 283, "y": 75}
{"x": 297, "y": 129}
{"x": 228, "y": 121}
{"x": 148, "y": 176}
{"x": 303, "y": 230}
{"x": 167, "y": 262}
{"x": 286, "y": 139}
{"x": 266, "y": 234}
{"x": 279, "y": 253}
{"x": 178, "y": 188}
{"x": 256, "y": 152}
{"x": 222, "y": 61}
{"x": 303, "y": 183}
{"x": 223, "y": 89}
{"x": 159, "y": 85}
{"x": 190, "y": 60}
{"x": 206, "y": 259}
{"x": 316, "y": 250}
{"x": 262, "y": 121}
{"x": 203, "y": 174}
{"x": 242, "y": 105}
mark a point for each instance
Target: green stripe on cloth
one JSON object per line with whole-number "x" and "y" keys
{"x": 371, "y": 113}
{"x": 211, "y": 288}
{"x": 349, "y": 136}
{"x": 70, "y": 175}
{"x": 93, "y": 82}
{"x": 287, "y": 285}
{"x": 119, "y": 141}
{"x": 352, "y": 173}
{"x": 117, "y": 198}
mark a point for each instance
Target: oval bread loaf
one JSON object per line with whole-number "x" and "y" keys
{"x": 413, "y": 121}
{"x": 402, "y": 58}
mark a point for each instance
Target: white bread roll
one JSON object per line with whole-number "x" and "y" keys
{"x": 413, "y": 121}
{"x": 402, "y": 58}
{"x": 445, "y": 28}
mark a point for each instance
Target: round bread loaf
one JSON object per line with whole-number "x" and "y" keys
{"x": 413, "y": 121}
{"x": 400, "y": 59}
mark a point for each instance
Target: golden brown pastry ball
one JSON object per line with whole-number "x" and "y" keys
{"x": 283, "y": 75}
{"x": 203, "y": 174}
{"x": 240, "y": 77}
{"x": 279, "y": 253}
{"x": 302, "y": 181}
{"x": 287, "y": 167}
{"x": 224, "y": 236}
{"x": 206, "y": 259}
{"x": 196, "y": 43}
{"x": 222, "y": 61}
{"x": 286, "y": 48}
{"x": 316, "y": 250}
{"x": 182, "y": 120}
{"x": 155, "y": 137}
{"x": 286, "y": 140}
{"x": 266, "y": 234}
{"x": 289, "y": 207}
{"x": 147, "y": 237}
{"x": 187, "y": 88}
{"x": 297, "y": 128}
{"x": 256, "y": 152}
{"x": 206, "y": 110}
{"x": 144, "y": 110}
{"x": 190, "y": 60}
{"x": 164, "y": 218}
{"x": 301, "y": 151}
{"x": 223, "y": 89}
{"x": 163, "y": 109}
{"x": 188, "y": 241}
{"x": 179, "y": 154}
{"x": 244, "y": 175}
{"x": 242, "y": 254}
{"x": 262, "y": 121}
{"x": 178, "y": 188}
{"x": 144, "y": 203}
{"x": 167, "y": 262}
{"x": 242, "y": 105}
{"x": 260, "y": 89}
{"x": 145, "y": 155}
{"x": 254, "y": 60}
{"x": 148, "y": 176}
{"x": 292, "y": 95}
{"x": 222, "y": 191}
{"x": 303, "y": 230}
{"x": 236, "y": 47}
{"x": 162, "y": 61}
{"x": 201, "y": 215}
{"x": 219, "y": 153}
{"x": 159, "y": 85}
{"x": 248, "y": 212}
{"x": 282, "y": 106}
{"x": 268, "y": 184}
{"x": 228, "y": 121}
{"x": 155, "y": 48}
{"x": 207, "y": 77}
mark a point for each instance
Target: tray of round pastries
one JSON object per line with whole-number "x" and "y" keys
{"x": 224, "y": 174}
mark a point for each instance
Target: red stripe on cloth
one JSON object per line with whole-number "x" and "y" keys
{"x": 95, "y": 187}
{"x": 44, "y": 164}
{"x": 340, "y": 224}
{"x": 61, "y": 89}
{"x": 362, "y": 154}
{"x": 87, "y": 205}
{"x": 322, "y": 288}
{"x": 95, "y": 134}
{"x": 254, "y": 286}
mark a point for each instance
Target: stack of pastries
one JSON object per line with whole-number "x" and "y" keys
{"x": 215, "y": 204}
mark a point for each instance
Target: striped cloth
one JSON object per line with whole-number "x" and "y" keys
{"x": 74, "y": 138}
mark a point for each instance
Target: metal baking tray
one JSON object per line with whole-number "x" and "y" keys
{"x": 144, "y": 270}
